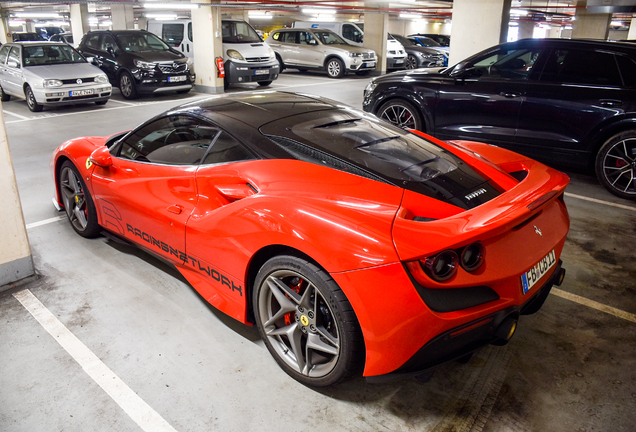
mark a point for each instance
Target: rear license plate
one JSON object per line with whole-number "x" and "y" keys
{"x": 80, "y": 92}
{"x": 177, "y": 78}
{"x": 369, "y": 64}
{"x": 532, "y": 276}
{"x": 261, "y": 72}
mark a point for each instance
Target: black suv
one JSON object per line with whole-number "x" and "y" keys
{"x": 138, "y": 62}
{"x": 565, "y": 102}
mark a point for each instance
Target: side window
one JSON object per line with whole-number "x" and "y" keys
{"x": 276, "y": 36}
{"x": 107, "y": 42}
{"x": 4, "y": 53}
{"x": 349, "y": 32}
{"x": 305, "y": 37}
{"x": 507, "y": 64}
{"x": 172, "y": 33}
{"x": 289, "y": 37}
{"x": 93, "y": 41}
{"x": 171, "y": 140}
{"x": 581, "y": 67}
{"x": 190, "y": 32}
{"x": 226, "y": 149}
{"x": 14, "y": 55}
{"x": 626, "y": 64}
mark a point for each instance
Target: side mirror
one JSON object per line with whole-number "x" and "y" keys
{"x": 111, "y": 51}
{"x": 101, "y": 157}
{"x": 462, "y": 72}
{"x": 313, "y": 42}
{"x": 90, "y": 59}
{"x": 13, "y": 64}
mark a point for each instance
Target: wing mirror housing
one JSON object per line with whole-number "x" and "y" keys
{"x": 101, "y": 157}
{"x": 13, "y": 64}
{"x": 313, "y": 42}
{"x": 462, "y": 72}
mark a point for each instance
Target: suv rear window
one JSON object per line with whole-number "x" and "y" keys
{"x": 578, "y": 66}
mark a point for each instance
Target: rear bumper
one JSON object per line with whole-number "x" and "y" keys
{"x": 467, "y": 338}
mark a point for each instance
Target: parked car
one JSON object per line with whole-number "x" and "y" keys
{"x": 443, "y": 40}
{"x": 430, "y": 43}
{"x": 320, "y": 49}
{"x": 566, "y": 102}
{"x": 50, "y": 74}
{"x": 419, "y": 56}
{"x": 63, "y": 37}
{"x": 27, "y": 36}
{"x": 48, "y": 31}
{"x": 246, "y": 57}
{"x": 347, "y": 241}
{"x": 138, "y": 62}
{"x": 353, "y": 34}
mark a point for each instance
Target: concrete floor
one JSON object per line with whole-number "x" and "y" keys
{"x": 570, "y": 367}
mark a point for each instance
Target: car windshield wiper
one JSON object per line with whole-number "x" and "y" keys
{"x": 337, "y": 123}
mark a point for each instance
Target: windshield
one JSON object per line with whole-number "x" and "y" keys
{"x": 427, "y": 42}
{"x": 37, "y": 55}
{"x": 142, "y": 41}
{"x": 329, "y": 38}
{"x": 239, "y": 32}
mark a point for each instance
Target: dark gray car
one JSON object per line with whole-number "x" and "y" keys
{"x": 419, "y": 56}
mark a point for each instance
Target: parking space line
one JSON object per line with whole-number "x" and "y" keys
{"x": 598, "y": 201}
{"x": 45, "y": 222}
{"x": 15, "y": 115}
{"x": 138, "y": 410}
{"x": 121, "y": 102}
{"x": 594, "y": 305}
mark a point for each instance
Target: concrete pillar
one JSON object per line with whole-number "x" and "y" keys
{"x": 79, "y": 21}
{"x": 477, "y": 25}
{"x": 590, "y": 25}
{"x": 29, "y": 26}
{"x": 15, "y": 254}
{"x": 525, "y": 30}
{"x": 5, "y": 31}
{"x": 141, "y": 23}
{"x": 122, "y": 16}
{"x": 632, "y": 29}
{"x": 376, "y": 27}
{"x": 206, "y": 31}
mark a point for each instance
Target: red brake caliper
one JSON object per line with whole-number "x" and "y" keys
{"x": 289, "y": 318}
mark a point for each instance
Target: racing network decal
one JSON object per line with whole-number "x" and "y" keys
{"x": 187, "y": 259}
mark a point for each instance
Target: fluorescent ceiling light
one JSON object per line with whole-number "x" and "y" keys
{"x": 616, "y": 23}
{"x": 161, "y": 16}
{"x": 36, "y": 15}
{"x": 410, "y": 16}
{"x": 16, "y": 23}
{"x": 311, "y": 11}
{"x": 172, "y": 6}
{"x": 259, "y": 15}
{"x": 518, "y": 12}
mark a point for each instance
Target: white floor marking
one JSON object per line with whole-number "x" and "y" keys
{"x": 15, "y": 115}
{"x": 45, "y": 222}
{"x": 594, "y": 305}
{"x": 598, "y": 201}
{"x": 121, "y": 102}
{"x": 138, "y": 410}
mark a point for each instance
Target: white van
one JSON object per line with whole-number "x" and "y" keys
{"x": 395, "y": 56}
{"x": 246, "y": 57}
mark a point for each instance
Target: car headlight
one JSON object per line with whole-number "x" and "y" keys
{"x": 369, "y": 88}
{"x": 272, "y": 54}
{"x": 144, "y": 65}
{"x": 53, "y": 83}
{"x": 355, "y": 54}
{"x": 234, "y": 54}
{"x": 101, "y": 79}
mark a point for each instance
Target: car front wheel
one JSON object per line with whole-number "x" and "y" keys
{"x": 616, "y": 165}
{"x": 77, "y": 200}
{"x": 411, "y": 62}
{"x": 335, "y": 68}
{"x": 401, "y": 114}
{"x": 306, "y": 321}
{"x": 127, "y": 86}
{"x": 3, "y": 96}
{"x": 30, "y": 99}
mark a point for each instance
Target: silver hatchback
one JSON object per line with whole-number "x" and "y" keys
{"x": 50, "y": 73}
{"x": 305, "y": 49}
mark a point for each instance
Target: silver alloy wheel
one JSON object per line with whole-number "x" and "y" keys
{"x": 30, "y": 100}
{"x": 74, "y": 199}
{"x": 399, "y": 115}
{"x": 619, "y": 168}
{"x": 126, "y": 85}
{"x": 411, "y": 62}
{"x": 299, "y": 323}
{"x": 334, "y": 68}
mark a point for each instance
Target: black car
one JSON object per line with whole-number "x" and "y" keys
{"x": 27, "y": 36}
{"x": 443, "y": 40}
{"x": 566, "y": 102}
{"x": 138, "y": 62}
{"x": 419, "y": 56}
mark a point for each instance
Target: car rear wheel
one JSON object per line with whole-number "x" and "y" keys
{"x": 127, "y": 86}
{"x": 616, "y": 165}
{"x": 77, "y": 200}
{"x": 411, "y": 62}
{"x": 30, "y": 99}
{"x": 3, "y": 96}
{"x": 306, "y": 321}
{"x": 335, "y": 68}
{"x": 401, "y": 114}
{"x": 264, "y": 83}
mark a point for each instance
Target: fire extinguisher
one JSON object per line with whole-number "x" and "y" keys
{"x": 220, "y": 68}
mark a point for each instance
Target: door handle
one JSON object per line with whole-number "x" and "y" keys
{"x": 237, "y": 191}
{"x": 176, "y": 209}
{"x": 610, "y": 102}
{"x": 509, "y": 95}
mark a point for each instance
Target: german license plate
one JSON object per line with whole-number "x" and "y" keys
{"x": 81, "y": 92}
{"x": 261, "y": 72}
{"x": 399, "y": 61}
{"x": 369, "y": 64}
{"x": 532, "y": 276}
{"x": 177, "y": 78}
